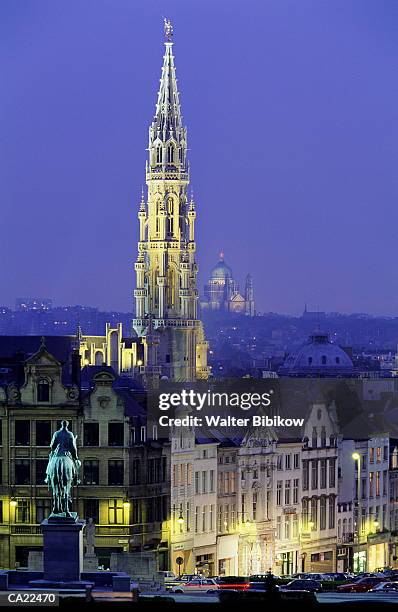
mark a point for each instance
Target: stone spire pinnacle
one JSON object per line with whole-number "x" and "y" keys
{"x": 168, "y": 119}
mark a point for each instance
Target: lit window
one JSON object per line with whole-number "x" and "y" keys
{"x": 43, "y": 391}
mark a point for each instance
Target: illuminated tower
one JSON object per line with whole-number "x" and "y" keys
{"x": 166, "y": 294}
{"x": 249, "y": 296}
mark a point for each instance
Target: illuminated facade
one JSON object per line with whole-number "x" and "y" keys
{"x": 125, "y": 483}
{"x": 221, "y": 292}
{"x": 166, "y": 294}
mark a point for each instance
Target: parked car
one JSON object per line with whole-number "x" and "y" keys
{"x": 311, "y": 576}
{"x": 199, "y": 585}
{"x": 362, "y": 585}
{"x": 336, "y": 576}
{"x": 385, "y": 587}
{"x": 235, "y": 583}
{"x": 306, "y": 584}
{"x": 167, "y": 576}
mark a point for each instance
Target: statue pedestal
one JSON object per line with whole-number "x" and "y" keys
{"x": 62, "y": 548}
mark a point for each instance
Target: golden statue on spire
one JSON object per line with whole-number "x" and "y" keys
{"x": 168, "y": 29}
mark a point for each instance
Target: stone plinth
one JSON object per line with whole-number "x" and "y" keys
{"x": 62, "y": 549}
{"x": 90, "y": 563}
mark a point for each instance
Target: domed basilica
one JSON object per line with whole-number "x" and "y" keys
{"x": 318, "y": 357}
{"x": 221, "y": 292}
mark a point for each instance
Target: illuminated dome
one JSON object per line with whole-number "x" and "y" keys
{"x": 221, "y": 270}
{"x": 319, "y": 356}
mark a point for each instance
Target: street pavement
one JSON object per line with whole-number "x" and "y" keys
{"x": 327, "y": 598}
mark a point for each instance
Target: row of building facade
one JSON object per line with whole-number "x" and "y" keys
{"x": 216, "y": 506}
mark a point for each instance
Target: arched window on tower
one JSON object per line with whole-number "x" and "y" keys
{"x": 159, "y": 156}
{"x": 43, "y": 390}
{"x": 170, "y": 154}
{"x": 170, "y": 218}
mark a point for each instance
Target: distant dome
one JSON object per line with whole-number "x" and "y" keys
{"x": 319, "y": 355}
{"x": 221, "y": 270}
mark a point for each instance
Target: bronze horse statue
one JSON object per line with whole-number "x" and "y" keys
{"x": 62, "y": 470}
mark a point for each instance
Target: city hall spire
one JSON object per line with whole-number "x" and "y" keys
{"x": 166, "y": 295}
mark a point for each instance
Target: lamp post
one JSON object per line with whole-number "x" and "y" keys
{"x": 357, "y": 457}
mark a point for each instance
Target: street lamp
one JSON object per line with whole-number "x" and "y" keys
{"x": 311, "y": 525}
{"x": 247, "y": 523}
{"x": 376, "y": 525}
{"x": 180, "y": 519}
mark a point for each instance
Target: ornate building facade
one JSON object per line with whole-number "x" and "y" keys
{"x": 221, "y": 292}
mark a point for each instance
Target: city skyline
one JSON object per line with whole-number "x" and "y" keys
{"x": 75, "y": 138}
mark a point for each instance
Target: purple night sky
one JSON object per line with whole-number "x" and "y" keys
{"x": 292, "y": 115}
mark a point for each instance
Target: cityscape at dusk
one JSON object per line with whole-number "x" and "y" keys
{"x": 198, "y": 319}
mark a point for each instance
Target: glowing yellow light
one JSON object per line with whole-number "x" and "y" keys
{"x": 248, "y": 523}
{"x": 126, "y": 504}
{"x": 356, "y": 456}
{"x": 376, "y": 523}
{"x": 180, "y": 520}
{"x": 139, "y": 362}
{"x": 13, "y": 503}
{"x": 86, "y": 362}
{"x": 311, "y": 524}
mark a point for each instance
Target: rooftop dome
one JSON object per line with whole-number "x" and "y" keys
{"x": 319, "y": 354}
{"x": 221, "y": 270}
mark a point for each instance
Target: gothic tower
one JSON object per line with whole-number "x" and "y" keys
{"x": 166, "y": 294}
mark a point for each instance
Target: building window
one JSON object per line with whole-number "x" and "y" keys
{"x": 159, "y": 154}
{"x": 91, "y": 434}
{"x": 170, "y": 154}
{"x": 377, "y": 484}
{"x": 197, "y": 519}
{"x": 296, "y": 461}
{"x": 115, "y": 434}
{"x": 43, "y": 433}
{"x": 378, "y": 454}
{"x": 314, "y": 442}
{"x": 279, "y": 464}
{"x": 211, "y": 486}
{"x": 295, "y": 490}
{"x": 22, "y": 433}
{"x": 91, "y": 471}
{"x": 304, "y": 513}
{"x": 22, "y": 511}
{"x": 154, "y": 470}
{"x": 287, "y": 527}
{"x": 323, "y": 359}
{"x": 371, "y": 479}
{"x": 115, "y": 472}
{"x": 288, "y": 464}
{"x": 332, "y": 472}
{"x": 305, "y": 475}
{"x": 41, "y": 466}
{"x": 204, "y": 482}
{"x": 278, "y": 527}
{"x": 371, "y": 455}
{"x": 43, "y": 390}
{"x": 254, "y": 506}
{"x": 323, "y": 437}
{"x": 135, "y": 472}
{"x": 115, "y": 512}
{"x": 197, "y": 485}
{"x": 279, "y": 493}
{"x": 91, "y": 509}
{"x": 332, "y": 512}
{"x": 314, "y": 474}
{"x": 22, "y": 472}
{"x": 323, "y": 474}
{"x": 314, "y": 512}
{"x": 287, "y": 492}
{"x": 204, "y": 519}
{"x": 322, "y": 513}
{"x": 43, "y": 509}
